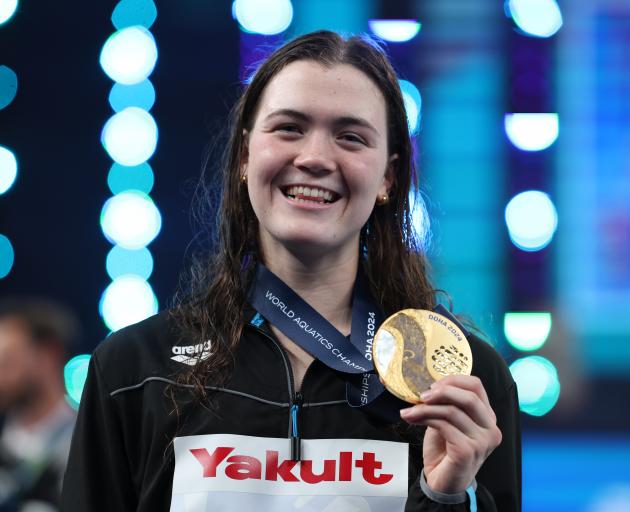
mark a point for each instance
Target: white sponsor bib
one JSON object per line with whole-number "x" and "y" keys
{"x": 226, "y": 472}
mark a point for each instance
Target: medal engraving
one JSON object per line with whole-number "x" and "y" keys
{"x": 414, "y": 348}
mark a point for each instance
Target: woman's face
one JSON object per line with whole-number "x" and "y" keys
{"x": 316, "y": 158}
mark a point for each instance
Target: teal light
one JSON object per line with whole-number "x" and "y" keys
{"x": 265, "y": 17}
{"x": 140, "y": 95}
{"x": 527, "y": 331}
{"x": 134, "y": 12}
{"x": 413, "y": 105}
{"x": 538, "y": 384}
{"x": 7, "y": 256}
{"x": 8, "y": 169}
{"x": 396, "y": 31}
{"x": 122, "y": 178}
{"x": 128, "y": 299}
{"x": 531, "y": 219}
{"x": 8, "y": 86}
{"x": 121, "y": 261}
{"x": 536, "y": 18}
{"x": 74, "y": 375}
{"x": 7, "y": 9}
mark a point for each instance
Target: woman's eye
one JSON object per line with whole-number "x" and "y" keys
{"x": 290, "y": 128}
{"x": 352, "y": 137}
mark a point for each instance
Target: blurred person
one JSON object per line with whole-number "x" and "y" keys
{"x": 36, "y": 421}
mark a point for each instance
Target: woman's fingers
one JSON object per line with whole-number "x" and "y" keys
{"x": 466, "y": 400}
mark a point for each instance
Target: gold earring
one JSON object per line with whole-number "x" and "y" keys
{"x": 243, "y": 179}
{"x": 382, "y": 200}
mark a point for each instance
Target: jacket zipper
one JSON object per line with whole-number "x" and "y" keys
{"x": 296, "y": 399}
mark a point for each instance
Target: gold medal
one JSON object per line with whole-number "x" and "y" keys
{"x": 414, "y": 348}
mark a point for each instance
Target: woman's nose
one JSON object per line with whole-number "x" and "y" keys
{"x": 316, "y": 154}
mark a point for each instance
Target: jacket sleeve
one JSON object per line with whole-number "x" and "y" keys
{"x": 97, "y": 477}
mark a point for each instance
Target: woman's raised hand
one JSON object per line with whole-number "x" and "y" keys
{"x": 461, "y": 431}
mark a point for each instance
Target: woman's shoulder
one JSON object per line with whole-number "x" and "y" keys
{"x": 139, "y": 351}
{"x": 490, "y": 366}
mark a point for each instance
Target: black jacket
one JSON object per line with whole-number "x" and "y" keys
{"x": 122, "y": 456}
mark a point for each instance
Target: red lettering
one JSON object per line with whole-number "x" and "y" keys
{"x": 327, "y": 475}
{"x": 242, "y": 467}
{"x": 210, "y": 462}
{"x": 273, "y": 469}
{"x": 369, "y": 464}
{"x": 345, "y": 466}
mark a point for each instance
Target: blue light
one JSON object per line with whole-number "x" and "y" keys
{"x": 396, "y": 31}
{"x": 127, "y": 300}
{"x": 537, "y": 18}
{"x": 265, "y": 17}
{"x": 532, "y": 131}
{"x": 8, "y": 86}
{"x": 531, "y": 220}
{"x": 7, "y": 256}
{"x": 121, "y": 261}
{"x": 131, "y": 220}
{"x": 413, "y": 105}
{"x": 134, "y": 12}
{"x": 122, "y": 178}
{"x": 74, "y": 375}
{"x": 140, "y": 95}
{"x": 130, "y": 137}
{"x": 8, "y": 169}
{"x": 537, "y": 383}
{"x": 7, "y": 9}
{"x": 129, "y": 55}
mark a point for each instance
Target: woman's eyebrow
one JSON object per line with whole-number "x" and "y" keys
{"x": 338, "y": 121}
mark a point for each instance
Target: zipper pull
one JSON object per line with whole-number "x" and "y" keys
{"x": 296, "y": 442}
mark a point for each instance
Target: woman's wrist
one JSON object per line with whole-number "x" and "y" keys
{"x": 442, "y": 497}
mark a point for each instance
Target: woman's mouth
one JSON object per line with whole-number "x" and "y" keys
{"x": 310, "y": 194}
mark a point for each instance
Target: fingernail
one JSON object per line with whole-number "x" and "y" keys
{"x": 426, "y": 395}
{"x": 405, "y": 413}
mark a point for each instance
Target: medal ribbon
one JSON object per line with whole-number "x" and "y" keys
{"x": 352, "y": 356}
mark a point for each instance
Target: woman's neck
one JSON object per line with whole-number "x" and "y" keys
{"x": 326, "y": 283}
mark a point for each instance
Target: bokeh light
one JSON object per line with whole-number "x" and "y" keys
{"x": 121, "y": 261}
{"x": 531, "y": 220}
{"x": 7, "y": 9}
{"x": 413, "y": 105}
{"x": 130, "y": 137}
{"x": 130, "y": 219}
{"x": 129, "y": 55}
{"x": 8, "y": 86}
{"x": 128, "y": 13}
{"x": 8, "y": 169}
{"x": 538, "y": 384}
{"x": 265, "y": 17}
{"x": 74, "y": 375}
{"x": 122, "y": 178}
{"x": 396, "y": 31}
{"x": 421, "y": 223}
{"x": 7, "y": 256}
{"x": 532, "y": 132}
{"x": 141, "y": 95}
{"x": 127, "y": 300}
{"x": 527, "y": 331}
{"x": 537, "y": 18}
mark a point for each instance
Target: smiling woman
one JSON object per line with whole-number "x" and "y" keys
{"x": 257, "y": 391}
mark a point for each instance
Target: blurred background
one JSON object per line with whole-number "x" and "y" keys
{"x": 520, "y": 113}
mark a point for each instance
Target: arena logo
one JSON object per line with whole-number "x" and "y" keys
{"x": 191, "y": 354}
{"x": 244, "y": 467}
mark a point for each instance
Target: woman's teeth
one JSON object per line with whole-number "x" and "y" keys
{"x": 312, "y": 194}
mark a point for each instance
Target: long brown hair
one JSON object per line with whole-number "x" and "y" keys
{"x": 211, "y": 307}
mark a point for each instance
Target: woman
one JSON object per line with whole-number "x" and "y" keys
{"x": 194, "y": 409}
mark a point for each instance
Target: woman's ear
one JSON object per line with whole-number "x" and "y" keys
{"x": 390, "y": 175}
